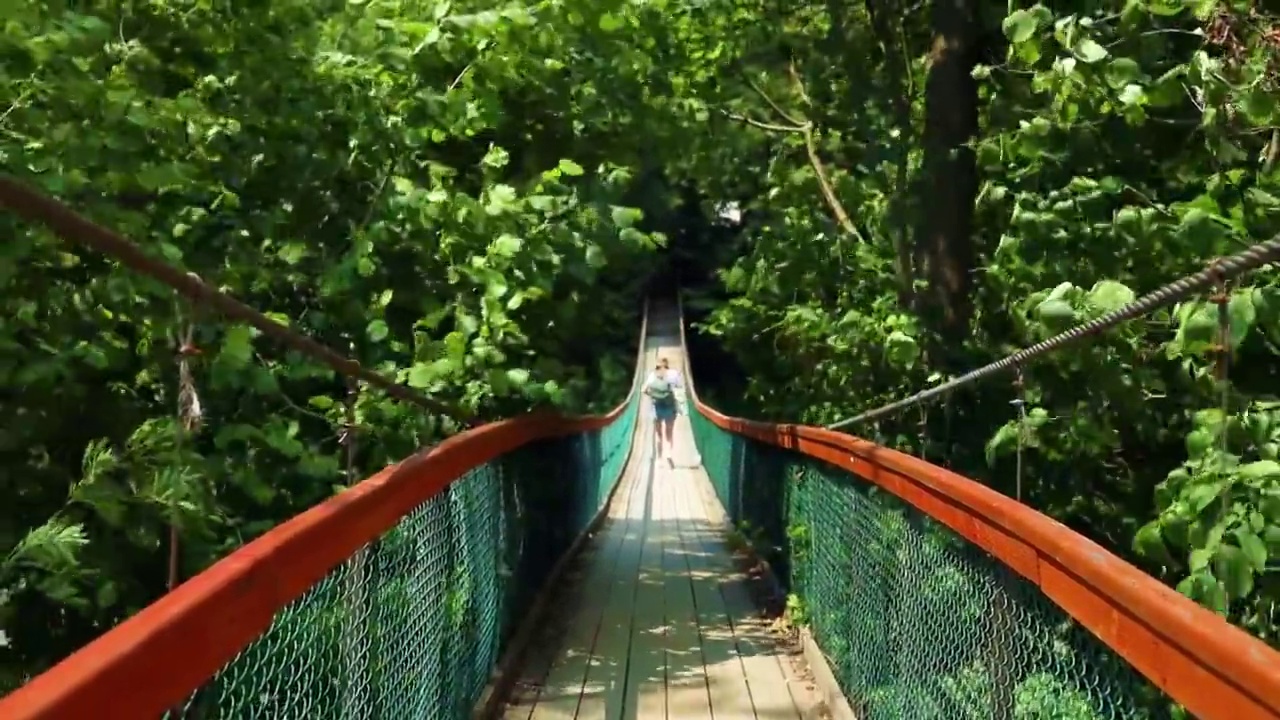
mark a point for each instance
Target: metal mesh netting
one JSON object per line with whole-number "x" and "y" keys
{"x": 412, "y": 625}
{"x": 916, "y": 622}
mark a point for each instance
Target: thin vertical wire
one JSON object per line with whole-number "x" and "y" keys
{"x": 1222, "y": 362}
{"x": 1021, "y": 403}
{"x": 924, "y": 432}
{"x": 355, "y": 691}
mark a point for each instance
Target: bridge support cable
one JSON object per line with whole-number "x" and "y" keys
{"x": 1217, "y": 273}
{"x": 71, "y": 227}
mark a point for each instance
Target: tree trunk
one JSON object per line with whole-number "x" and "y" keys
{"x": 950, "y": 173}
{"x": 896, "y": 65}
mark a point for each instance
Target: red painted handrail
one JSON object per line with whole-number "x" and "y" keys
{"x": 1213, "y": 668}
{"x": 157, "y": 658}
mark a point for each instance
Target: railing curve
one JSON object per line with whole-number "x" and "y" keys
{"x": 155, "y": 660}
{"x": 1214, "y": 669}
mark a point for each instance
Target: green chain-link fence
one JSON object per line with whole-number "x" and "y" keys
{"x": 916, "y": 622}
{"x": 411, "y": 626}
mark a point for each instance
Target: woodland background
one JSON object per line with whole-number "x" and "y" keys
{"x": 472, "y": 196}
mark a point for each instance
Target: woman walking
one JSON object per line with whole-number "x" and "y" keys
{"x": 661, "y": 386}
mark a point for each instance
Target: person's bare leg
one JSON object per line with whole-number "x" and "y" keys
{"x": 668, "y": 427}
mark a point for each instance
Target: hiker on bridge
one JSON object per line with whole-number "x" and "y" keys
{"x": 661, "y": 386}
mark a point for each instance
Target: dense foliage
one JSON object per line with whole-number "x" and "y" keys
{"x": 445, "y": 194}
{"x": 874, "y": 196}
{"x": 924, "y": 192}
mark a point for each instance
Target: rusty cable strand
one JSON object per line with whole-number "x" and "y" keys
{"x": 1221, "y": 270}
{"x": 70, "y": 226}
{"x": 189, "y": 416}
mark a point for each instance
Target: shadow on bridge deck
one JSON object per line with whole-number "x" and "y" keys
{"x": 655, "y": 620}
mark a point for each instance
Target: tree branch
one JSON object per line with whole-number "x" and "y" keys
{"x": 776, "y": 107}
{"x": 764, "y": 125}
{"x": 805, "y": 128}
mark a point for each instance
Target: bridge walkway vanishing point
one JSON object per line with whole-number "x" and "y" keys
{"x": 660, "y": 622}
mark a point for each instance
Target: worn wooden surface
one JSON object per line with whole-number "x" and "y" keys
{"x": 658, "y": 622}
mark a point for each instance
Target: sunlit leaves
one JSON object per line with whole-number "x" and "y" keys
{"x": 507, "y": 245}
{"x": 1021, "y": 24}
{"x": 901, "y": 349}
{"x": 1090, "y": 51}
{"x": 570, "y": 168}
{"x": 501, "y": 199}
{"x": 377, "y": 330}
{"x": 625, "y": 217}
{"x": 1108, "y": 296}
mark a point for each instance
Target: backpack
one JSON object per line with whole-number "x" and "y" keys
{"x": 660, "y": 390}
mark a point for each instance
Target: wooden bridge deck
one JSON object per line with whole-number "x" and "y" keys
{"x": 658, "y": 622}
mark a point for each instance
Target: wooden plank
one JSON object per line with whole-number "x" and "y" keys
{"x": 730, "y": 695}
{"x": 773, "y": 693}
{"x": 564, "y": 684}
{"x": 604, "y": 692}
{"x": 688, "y": 693}
{"x": 645, "y": 696}
{"x": 566, "y": 622}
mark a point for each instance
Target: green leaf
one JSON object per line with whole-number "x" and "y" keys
{"x": 1109, "y": 296}
{"x": 1200, "y": 227}
{"x": 610, "y": 23}
{"x": 1122, "y": 71}
{"x": 1260, "y": 105}
{"x": 595, "y": 257}
{"x": 1056, "y": 313}
{"x": 1019, "y": 26}
{"x": 507, "y": 245}
{"x": 1148, "y": 543}
{"x": 1133, "y": 95}
{"x": 160, "y": 177}
{"x": 421, "y": 375}
{"x": 496, "y": 157}
{"x": 1242, "y": 314}
{"x": 901, "y": 349}
{"x": 502, "y": 199}
{"x": 571, "y": 168}
{"x": 292, "y": 253}
{"x": 625, "y": 217}
{"x": 518, "y": 376}
{"x": 237, "y": 346}
{"x": 377, "y": 330}
{"x": 1004, "y": 439}
{"x": 1258, "y": 470}
{"x": 322, "y": 402}
{"x": 1201, "y": 494}
{"x": 1199, "y": 559}
{"x": 1232, "y": 568}
{"x": 1269, "y": 506}
{"x": 1253, "y": 548}
{"x": 542, "y": 203}
{"x": 1089, "y": 51}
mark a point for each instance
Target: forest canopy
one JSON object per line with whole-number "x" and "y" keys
{"x": 470, "y": 196}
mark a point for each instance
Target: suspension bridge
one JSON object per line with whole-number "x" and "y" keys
{"x": 430, "y": 591}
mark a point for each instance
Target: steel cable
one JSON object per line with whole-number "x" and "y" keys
{"x": 1223, "y": 269}
{"x": 70, "y": 226}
